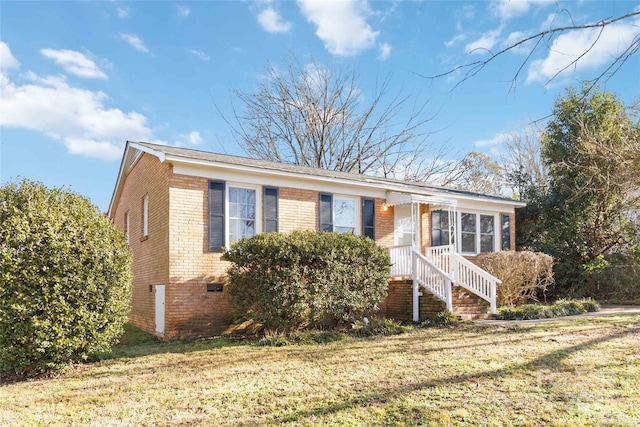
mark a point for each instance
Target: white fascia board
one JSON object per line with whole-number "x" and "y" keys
{"x": 119, "y": 181}
{"x": 159, "y": 154}
{"x": 278, "y": 180}
{"x": 375, "y": 188}
{"x": 131, "y": 149}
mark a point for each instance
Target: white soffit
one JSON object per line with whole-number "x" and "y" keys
{"x": 395, "y": 198}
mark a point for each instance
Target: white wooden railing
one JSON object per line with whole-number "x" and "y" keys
{"x": 431, "y": 277}
{"x": 439, "y": 255}
{"x": 473, "y": 278}
{"x": 400, "y": 260}
{"x": 458, "y": 270}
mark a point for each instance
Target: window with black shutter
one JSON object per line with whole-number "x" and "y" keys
{"x": 368, "y": 215}
{"x": 216, "y": 215}
{"x": 326, "y": 212}
{"x": 270, "y": 208}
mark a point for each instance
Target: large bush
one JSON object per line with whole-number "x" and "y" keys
{"x": 288, "y": 282}
{"x": 65, "y": 280}
{"x": 525, "y": 275}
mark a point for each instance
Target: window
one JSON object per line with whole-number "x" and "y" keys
{"x": 126, "y": 225}
{"x": 506, "y": 232}
{"x": 145, "y": 215}
{"x": 270, "y": 209}
{"x": 242, "y": 213}
{"x": 368, "y": 218}
{"x": 468, "y": 232}
{"x": 235, "y": 212}
{"x": 344, "y": 215}
{"x": 487, "y": 233}
{"x": 477, "y": 231}
{"x": 440, "y": 230}
{"x": 340, "y": 214}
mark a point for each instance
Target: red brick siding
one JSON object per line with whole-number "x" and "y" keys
{"x": 150, "y": 264}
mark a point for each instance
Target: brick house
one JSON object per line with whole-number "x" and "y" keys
{"x": 179, "y": 207}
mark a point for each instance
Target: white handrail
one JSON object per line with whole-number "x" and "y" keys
{"x": 400, "y": 260}
{"x": 433, "y": 278}
{"x": 470, "y": 276}
{"x": 439, "y": 255}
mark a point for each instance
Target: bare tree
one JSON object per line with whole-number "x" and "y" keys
{"x": 523, "y": 169}
{"x": 543, "y": 40}
{"x": 313, "y": 115}
{"x": 476, "y": 172}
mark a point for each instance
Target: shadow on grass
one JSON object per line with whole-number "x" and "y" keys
{"x": 137, "y": 343}
{"x": 549, "y": 361}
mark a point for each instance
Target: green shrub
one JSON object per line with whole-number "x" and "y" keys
{"x": 444, "y": 318}
{"x": 524, "y": 274}
{"x": 65, "y": 280}
{"x": 378, "y": 327}
{"x": 289, "y": 282}
{"x": 539, "y": 311}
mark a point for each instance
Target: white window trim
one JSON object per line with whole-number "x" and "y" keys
{"x": 258, "y": 225}
{"x": 357, "y": 212}
{"x": 145, "y": 215}
{"x": 496, "y": 236}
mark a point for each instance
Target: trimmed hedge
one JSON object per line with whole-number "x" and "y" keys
{"x": 539, "y": 311}
{"x": 65, "y": 280}
{"x": 524, "y": 274}
{"x": 290, "y": 282}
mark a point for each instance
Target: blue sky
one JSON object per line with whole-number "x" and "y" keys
{"x": 77, "y": 79}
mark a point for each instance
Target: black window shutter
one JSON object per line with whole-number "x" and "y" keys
{"x": 326, "y": 212}
{"x": 270, "y": 209}
{"x": 368, "y": 221}
{"x": 506, "y": 232}
{"x": 436, "y": 228}
{"x": 216, "y": 215}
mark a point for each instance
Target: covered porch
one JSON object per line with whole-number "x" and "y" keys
{"x": 427, "y": 254}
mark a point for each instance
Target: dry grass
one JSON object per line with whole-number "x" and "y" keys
{"x": 576, "y": 372}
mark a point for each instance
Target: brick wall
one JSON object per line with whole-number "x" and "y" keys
{"x": 190, "y": 309}
{"x": 150, "y": 264}
{"x": 399, "y": 302}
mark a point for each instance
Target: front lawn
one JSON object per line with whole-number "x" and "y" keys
{"x": 575, "y": 372}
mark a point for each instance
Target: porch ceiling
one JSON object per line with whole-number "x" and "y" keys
{"x": 395, "y": 198}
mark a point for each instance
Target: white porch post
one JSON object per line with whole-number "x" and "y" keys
{"x": 416, "y": 288}
{"x": 417, "y": 246}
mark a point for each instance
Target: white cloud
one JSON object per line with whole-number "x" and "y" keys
{"x": 271, "y": 21}
{"x": 486, "y": 42}
{"x": 135, "y": 42}
{"x": 191, "y": 138}
{"x": 200, "y": 54}
{"x": 75, "y": 63}
{"x": 7, "y": 61}
{"x": 76, "y": 117}
{"x": 341, "y": 25}
{"x": 509, "y": 9}
{"x": 568, "y": 47}
{"x": 183, "y": 12}
{"x": 123, "y": 12}
{"x": 457, "y": 39}
{"x": 498, "y": 139}
{"x": 385, "y": 51}
{"x": 513, "y": 38}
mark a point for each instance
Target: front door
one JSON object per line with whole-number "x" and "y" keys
{"x": 160, "y": 309}
{"x": 402, "y": 225}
